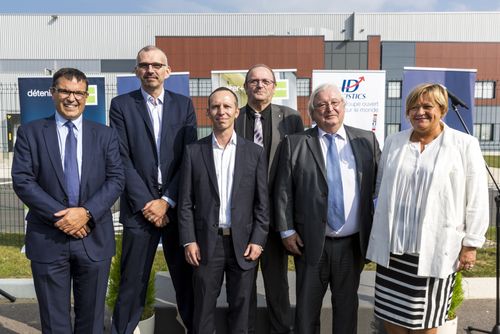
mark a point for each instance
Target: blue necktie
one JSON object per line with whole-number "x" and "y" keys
{"x": 71, "y": 167}
{"x": 336, "y": 215}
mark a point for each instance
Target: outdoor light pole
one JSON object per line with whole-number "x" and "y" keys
{"x": 455, "y": 101}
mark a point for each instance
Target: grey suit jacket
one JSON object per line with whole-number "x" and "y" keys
{"x": 199, "y": 201}
{"x": 301, "y": 189}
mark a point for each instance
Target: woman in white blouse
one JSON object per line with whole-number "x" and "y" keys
{"x": 431, "y": 215}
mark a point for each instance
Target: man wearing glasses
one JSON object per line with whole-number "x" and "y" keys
{"x": 323, "y": 196}
{"x": 154, "y": 126}
{"x": 266, "y": 124}
{"x": 68, "y": 171}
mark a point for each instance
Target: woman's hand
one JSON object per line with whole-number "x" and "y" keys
{"x": 467, "y": 258}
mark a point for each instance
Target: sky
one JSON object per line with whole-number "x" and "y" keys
{"x": 249, "y": 6}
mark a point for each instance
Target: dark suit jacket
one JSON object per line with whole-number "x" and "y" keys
{"x": 284, "y": 121}
{"x": 128, "y": 114}
{"x": 38, "y": 180}
{"x": 199, "y": 200}
{"x": 301, "y": 189}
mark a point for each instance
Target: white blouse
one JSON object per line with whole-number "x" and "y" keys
{"x": 413, "y": 182}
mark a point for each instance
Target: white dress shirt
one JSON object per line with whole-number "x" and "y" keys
{"x": 224, "y": 168}
{"x": 62, "y": 132}
{"x": 155, "y": 111}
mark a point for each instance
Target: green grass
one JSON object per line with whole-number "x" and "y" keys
{"x": 13, "y": 264}
{"x": 492, "y": 160}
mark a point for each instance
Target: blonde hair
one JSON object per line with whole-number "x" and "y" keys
{"x": 433, "y": 91}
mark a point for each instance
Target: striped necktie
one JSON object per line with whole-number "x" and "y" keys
{"x": 258, "y": 137}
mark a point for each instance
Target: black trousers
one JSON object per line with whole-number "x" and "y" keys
{"x": 340, "y": 267}
{"x": 138, "y": 251}
{"x": 207, "y": 282}
{"x": 274, "y": 267}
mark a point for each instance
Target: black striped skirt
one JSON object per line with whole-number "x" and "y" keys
{"x": 408, "y": 300}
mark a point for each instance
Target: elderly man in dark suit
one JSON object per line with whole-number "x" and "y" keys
{"x": 266, "y": 124}
{"x": 154, "y": 126}
{"x": 223, "y": 215}
{"x": 324, "y": 205}
{"x": 68, "y": 171}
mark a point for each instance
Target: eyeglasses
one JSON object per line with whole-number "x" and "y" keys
{"x": 78, "y": 94}
{"x": 324, "y": 105}
{"x": 264, "y": 82}
{"x": 145, "y": 66}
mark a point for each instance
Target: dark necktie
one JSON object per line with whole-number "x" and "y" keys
{"x": 336, "y": 215}
{"x": 71, "y": 167}
{"x": 258, "y": 137}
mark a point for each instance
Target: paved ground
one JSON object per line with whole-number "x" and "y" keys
{"x": 22, "y": 316}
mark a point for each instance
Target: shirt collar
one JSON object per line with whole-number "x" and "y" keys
{"x": 232, "y": 141}
{"x": 263, "y": 113}
{"x": 146, "y": 96}
{"x": 60, "y": 121}
{"x": 340, "y": 132}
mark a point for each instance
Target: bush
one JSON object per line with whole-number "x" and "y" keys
{"x": 457, "y": 297}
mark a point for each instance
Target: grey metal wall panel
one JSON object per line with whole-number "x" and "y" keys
{"x": 117, "y": 65}
{"x": 119, "y": 36}
{"x": 45, "y": 66}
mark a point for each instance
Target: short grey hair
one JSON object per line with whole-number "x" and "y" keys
{"x": 318, "y": 90}
{"x": 148, "y": 48}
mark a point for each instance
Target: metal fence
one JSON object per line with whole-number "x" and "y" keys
{"x": 12, "y": 211}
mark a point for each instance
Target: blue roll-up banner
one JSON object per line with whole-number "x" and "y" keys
{"x": 177, "y": 82}
{"x": 458, "y": 81}
{"x": 36, "y": 102}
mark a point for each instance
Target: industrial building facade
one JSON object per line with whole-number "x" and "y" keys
{"x": 200, "y": 43}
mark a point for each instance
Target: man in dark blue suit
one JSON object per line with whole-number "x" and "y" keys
{"x": 223, "y": 215}
{"x": 154, "y": 126}
{"x": 68, "y": 172}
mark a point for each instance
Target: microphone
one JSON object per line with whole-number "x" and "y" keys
{"x": 455, "y": 100}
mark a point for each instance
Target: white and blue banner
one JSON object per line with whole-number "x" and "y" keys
{"x": 364, "y": 94}
{"x": 177, "y": 82}
{"x": 458, "y": 81}
{"x": 36, "y": 102}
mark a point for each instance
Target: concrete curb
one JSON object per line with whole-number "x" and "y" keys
{"x": 474, "y": 288}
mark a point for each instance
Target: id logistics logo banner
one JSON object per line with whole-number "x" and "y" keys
{"x": 364, "y": 94}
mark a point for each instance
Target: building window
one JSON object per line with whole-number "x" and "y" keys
{"x": 193, "y": 87}
{"x": 484, "y": 90}
{"x": 303, "y": 87}
{"x": 204, "y": 87}
{"x": 483, "y": 132}
{"x": 394, "y": 89}
{"x": 391, "y": 128}
{"x": 200, "y": 87}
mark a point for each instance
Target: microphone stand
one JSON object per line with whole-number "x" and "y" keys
{"x": 8, "y": 296}
{"x": 496, "y": 328}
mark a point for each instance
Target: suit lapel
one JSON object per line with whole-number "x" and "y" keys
{"x": 89, "y": 141}
{"x": 276, "y": 135}
{"x": 208, "y": 158}
{"x": 239, "y": 165}
{"x": 315, "y": 148}
{"x": 143, "y": 111}
{"x": 241, "y": 121}
{"x": 52, "y": 147}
